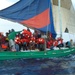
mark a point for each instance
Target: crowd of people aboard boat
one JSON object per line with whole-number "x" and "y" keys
{"x": 26, "y": 40}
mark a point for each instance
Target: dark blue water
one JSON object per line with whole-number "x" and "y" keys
{"x": 54, "y": 66}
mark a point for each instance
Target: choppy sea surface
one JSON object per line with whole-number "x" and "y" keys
{"x": 53, "y": 66}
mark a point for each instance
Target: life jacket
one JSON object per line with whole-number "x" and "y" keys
{"x": 33, "y": 39}
{"x": 4, "y": 46}
{"x": 17, "y": 40}
{"x": 55, "y": 43}
{"x": 27, "y": 34}
{"x": 60, "y": 40}
{"x": 40, "y": 41}
{"x": 25, "y": 40}
{"x": 49, "y": 43}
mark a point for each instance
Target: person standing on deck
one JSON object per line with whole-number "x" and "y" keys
{"x": 12, "y": 45}
{"x": 18, "y": 43}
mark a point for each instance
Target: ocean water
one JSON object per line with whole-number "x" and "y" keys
{"x": 53, "y": 66}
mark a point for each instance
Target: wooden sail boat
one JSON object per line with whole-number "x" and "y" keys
{"x": 31, "y": 13}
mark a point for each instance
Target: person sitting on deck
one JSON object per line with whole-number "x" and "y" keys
{"x": 60, "y": 43}
{"x": 72, "y": 44}
{"x": 25, "y": 43}
{"x": 50, "y": 44}
{"x": 5, "y": 46}
{"x": 26, "y": 36}
{"x": 33, "y": 43}
{"x": 68, "y": 44}
{"x": 40, "y": 42}
{"x": 55, "y": 43}
{"x": 3, "y": 42}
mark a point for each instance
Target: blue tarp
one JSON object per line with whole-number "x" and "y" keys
{"x": 32, "y": 13}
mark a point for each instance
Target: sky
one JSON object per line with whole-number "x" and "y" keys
{"x": 5, "y": 25}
